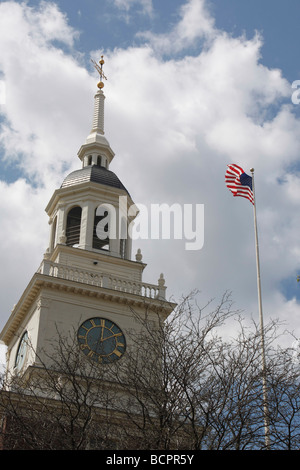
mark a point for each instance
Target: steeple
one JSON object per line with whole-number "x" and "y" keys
{"x": 86, "y": 212}
{"x": 98, "y": 120}
{"x": 96, "y": 147}
{"x": 87, "y": 276}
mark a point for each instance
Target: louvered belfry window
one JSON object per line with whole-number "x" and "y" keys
{"x": 73, "y": 226}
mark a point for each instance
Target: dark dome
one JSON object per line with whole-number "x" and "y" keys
{"x": 94, "y": 174}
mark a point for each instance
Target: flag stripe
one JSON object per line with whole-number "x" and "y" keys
{"x": 238, "y": 182}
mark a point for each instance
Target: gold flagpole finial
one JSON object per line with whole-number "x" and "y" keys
{"x": 100, "y": 71}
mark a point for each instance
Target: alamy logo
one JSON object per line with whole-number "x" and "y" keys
{"x": 159, "y": 221}
{"x": 296, "y": 94}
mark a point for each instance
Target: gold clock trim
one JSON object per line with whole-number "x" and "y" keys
{"x": 108, "y": 344}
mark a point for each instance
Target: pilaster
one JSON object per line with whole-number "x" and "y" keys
{"x": 87, "y": 225}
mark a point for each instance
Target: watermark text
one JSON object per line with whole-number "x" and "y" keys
{"x": 159, "y": 221}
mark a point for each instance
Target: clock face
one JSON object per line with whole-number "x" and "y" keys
{"x": 21, "y": 353}
{"x": 101, "y": 340}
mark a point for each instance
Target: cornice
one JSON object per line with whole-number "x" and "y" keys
{"x": 42, "y": 281}
{"x": 88, "y": 189}
{"x": 96, "y": 255}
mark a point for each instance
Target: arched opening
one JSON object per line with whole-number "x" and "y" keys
{"x": 73, "y": 226}
{"x": 99, "y": 160}
{"x": 21, "y": 352}
{"x": 90, "y": 160}
{"x": 100, "y": 231}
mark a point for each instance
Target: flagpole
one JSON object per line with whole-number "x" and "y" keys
{"x": 264, "y": 379}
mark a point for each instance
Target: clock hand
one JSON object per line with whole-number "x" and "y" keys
{"x": 112, "y": 336}
{"x": 99, "y": 338}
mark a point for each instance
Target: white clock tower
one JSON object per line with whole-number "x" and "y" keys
{"x": 87, "y": 281}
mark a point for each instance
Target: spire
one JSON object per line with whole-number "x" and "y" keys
{"x": 96, "y": 144}
{"x": 98, "y": 119}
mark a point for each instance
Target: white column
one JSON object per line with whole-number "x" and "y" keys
{"x": 61, "y": 225}
{"x": 87, "y": 225}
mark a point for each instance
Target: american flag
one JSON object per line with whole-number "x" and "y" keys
{"x": 238, "y": 182}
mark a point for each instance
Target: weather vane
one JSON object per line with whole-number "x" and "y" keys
{"x": 100, "y": 71}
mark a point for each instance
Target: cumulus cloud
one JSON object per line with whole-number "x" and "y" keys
{"x": 200, "y": 113}
{"x": 195, "y": 23}
{"x": 40, "y": 80}
{"x": 174, "y": 124}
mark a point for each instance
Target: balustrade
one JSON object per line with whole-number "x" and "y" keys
{"x": 102, "y": 280}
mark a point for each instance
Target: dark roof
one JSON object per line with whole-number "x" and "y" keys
{"x": 94, "y": 174}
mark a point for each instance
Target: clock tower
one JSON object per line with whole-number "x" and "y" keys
{"x": 87, "y": 281}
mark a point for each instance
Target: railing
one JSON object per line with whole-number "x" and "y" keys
{"x": 105, "y": 280}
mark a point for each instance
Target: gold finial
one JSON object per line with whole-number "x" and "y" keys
{"x": 100, "y": 71}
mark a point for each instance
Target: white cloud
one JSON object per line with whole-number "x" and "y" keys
{"x": 38, "y": 25}
{"x": 195, "y": 23}
{"x": 41, "y": 80}
{"x": 48, "y": 23}
{"x": 174, "y": 125}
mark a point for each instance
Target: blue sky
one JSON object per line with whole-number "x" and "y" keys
{"x": 102, "y": 24}
{"x": 193, "y": 85}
